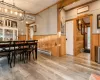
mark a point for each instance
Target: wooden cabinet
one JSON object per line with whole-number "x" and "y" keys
{"x": 8, "y": 33}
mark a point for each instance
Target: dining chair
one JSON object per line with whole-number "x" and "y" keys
{"x": 5, "y": 51}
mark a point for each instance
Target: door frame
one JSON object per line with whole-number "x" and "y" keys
{"x": 75, "y": 26}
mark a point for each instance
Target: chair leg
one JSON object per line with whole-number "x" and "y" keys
{"x": 33, "y": 54}
{"x": 14, "y": 57}
{"x": 29, "y": 55}
{"x": 20, "y": 57}
{"x": 10, "y": 60}
{"x": 8, "y": 57}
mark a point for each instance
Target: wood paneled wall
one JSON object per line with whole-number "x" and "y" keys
{"x": 22, "y": 37}
{"x": 51, "y": 43}
{"x": 63, "y": 46}
{"x": 78, "y": 39}
{"x": 95, "y": 42}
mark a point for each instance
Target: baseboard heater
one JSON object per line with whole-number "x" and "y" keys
{"x": 44, "y": 52}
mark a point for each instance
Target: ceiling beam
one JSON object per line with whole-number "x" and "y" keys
{"x": 81, "y": 5}
{"x": 64, "y": 3}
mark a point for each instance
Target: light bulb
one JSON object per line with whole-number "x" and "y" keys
{"x": 11, "y": 11}
{"x": 16, "y": 13}
{"x": 20, "y": 14}
{"x": 26, "y": 22}
{"x": 6, "y": 10}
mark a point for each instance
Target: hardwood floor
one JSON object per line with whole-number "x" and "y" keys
{"x": 50, "y": 68}
{"x": 84, "y": 56}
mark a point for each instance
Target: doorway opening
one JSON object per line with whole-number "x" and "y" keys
{"x": 78, "y": 37}
{"x": 85, "y": 36}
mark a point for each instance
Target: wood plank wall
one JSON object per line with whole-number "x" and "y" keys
{"x": 95, "y": 42}
{"x": 51, "y": 43}
{"x": 78, "y": 39}
{"x": 22, "y": 37}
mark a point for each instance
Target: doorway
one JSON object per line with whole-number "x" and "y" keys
{"x": 82, "y": 37}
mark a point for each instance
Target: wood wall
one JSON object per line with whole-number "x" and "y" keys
{"x": 78, "y": 39}
{"x": 22, "y": 37}
{"x": 95, "y": 42}
{"x": 51, "y": 43}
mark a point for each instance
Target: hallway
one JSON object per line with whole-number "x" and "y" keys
{"x": 50, "y": 68}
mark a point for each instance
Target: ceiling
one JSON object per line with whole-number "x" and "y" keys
{"x": 32, "y": 6}
{"x": 77, "y": 3}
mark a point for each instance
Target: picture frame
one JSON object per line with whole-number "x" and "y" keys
{"x": 98, "y": 21}
{"x": 35, "y": 28}
{"x": 14, "y": 24}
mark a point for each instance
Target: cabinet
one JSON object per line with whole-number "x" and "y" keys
{"x": 8, "y": 33}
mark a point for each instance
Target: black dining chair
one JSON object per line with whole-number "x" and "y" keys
{"x": 5, "y": 51}
{"x": 31, "y": 48}
{"x": 19, "y": 50}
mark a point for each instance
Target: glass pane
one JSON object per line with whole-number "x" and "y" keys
{"x": 1, "y": 35}
{"x": 15, "y": 35}
{"x": 88, "y": 38}
{"x": 8, "y": 35}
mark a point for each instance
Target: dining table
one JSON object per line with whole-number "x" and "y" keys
{"x": 12, "y": 47}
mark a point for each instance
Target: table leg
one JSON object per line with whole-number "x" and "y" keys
{"x": 36, "y": 52}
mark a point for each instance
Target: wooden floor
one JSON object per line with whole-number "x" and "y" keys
{"x": 50, "y": 68}
{"x": 85, "y": 56}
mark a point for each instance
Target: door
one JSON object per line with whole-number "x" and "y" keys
{"x": 69, "y": 37}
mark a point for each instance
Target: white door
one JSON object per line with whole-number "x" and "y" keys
{"x": 69, "y": 37}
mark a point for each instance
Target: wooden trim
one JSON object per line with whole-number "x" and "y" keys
{"x": 79, "y": 17}
{"x": 82, "y": 5}
{"x": 75, "y": 24}
{"x": 85, "y": 15}
{"x": 45, "y": 35}
{"x": 69, "y": 20}
{"x": 98, "y": 21}
{"x": 31, "y": 23}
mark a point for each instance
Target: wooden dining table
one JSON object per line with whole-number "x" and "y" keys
{"x": 13, "y": 46}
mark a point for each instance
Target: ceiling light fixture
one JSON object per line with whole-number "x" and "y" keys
{"x": 12, "y": 10}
